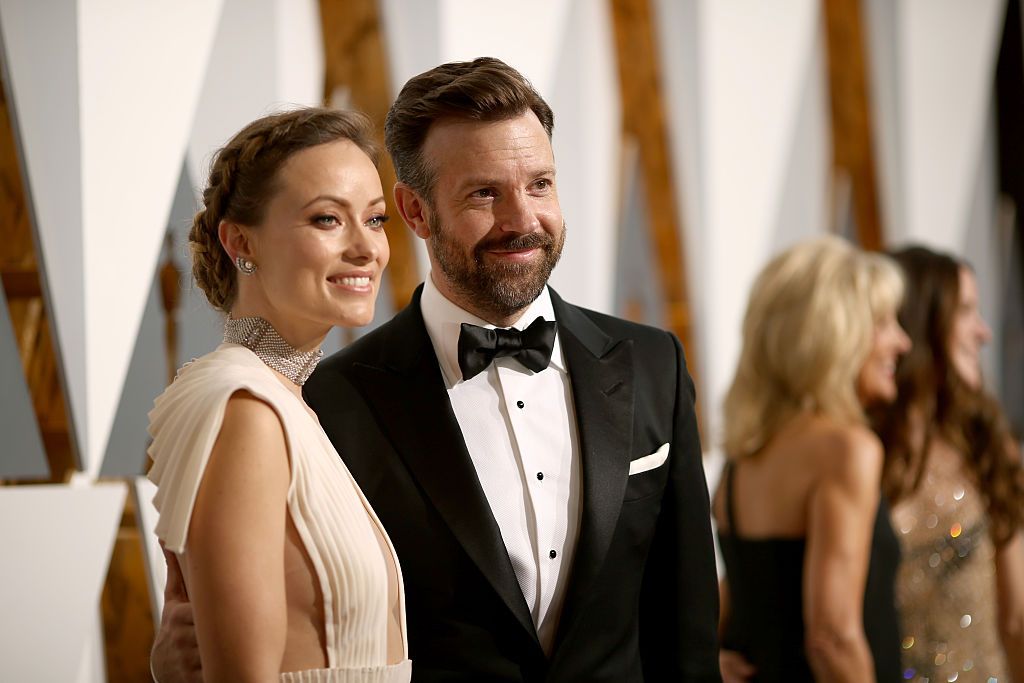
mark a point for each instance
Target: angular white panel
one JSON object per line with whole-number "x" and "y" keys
{"x": 255, "y": 68}
{"x": 803, "y": 209}
{"x": 587, "y": 143}
{"x": 300, "y": 52}
{"x": 754, "y": 66}
{"x": 676, "y": 30}
{"x": 125, "y": 452}
{"x": 141, "y": 68}
{"x": 93, "y": 667}
{"x": 23, "y": 454}
{"x": 56, "y": 544}
{"x": 412, "y": 32}
{"x": 143, "y": 491}
{"x": 510, "y": 31}
{"x": 982, "y": 242}
{"x": 637, "y": 283}
{"x": 882, "y": 37}
{"x": 40, "y": 43}
{"x": 948, "y": 50}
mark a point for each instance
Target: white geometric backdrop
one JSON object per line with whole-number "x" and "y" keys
{"x": 118, "y": 106}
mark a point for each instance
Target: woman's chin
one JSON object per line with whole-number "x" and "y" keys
{"x": 352, "y": 319}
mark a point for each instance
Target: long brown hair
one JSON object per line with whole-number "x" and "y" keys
{"x": 933, "y": 395}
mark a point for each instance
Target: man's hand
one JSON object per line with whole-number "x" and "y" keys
{"x": 175, "y": 655}
{"x": 735, "y": 669}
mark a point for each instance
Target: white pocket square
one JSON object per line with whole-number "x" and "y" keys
{"x": 649, "y": 462}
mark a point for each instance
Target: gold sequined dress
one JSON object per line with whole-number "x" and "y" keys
{"x": 945, "y": 588}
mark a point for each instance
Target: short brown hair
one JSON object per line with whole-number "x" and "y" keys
{"x": 243, "y": 179}
{"x": 486, "y": 89}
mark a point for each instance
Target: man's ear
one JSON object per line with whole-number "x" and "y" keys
{"x": 237, "y": 241}
{"x": 413, "y": 210}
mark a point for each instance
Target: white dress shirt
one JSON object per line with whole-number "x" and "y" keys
{"x": 520, "y": 429}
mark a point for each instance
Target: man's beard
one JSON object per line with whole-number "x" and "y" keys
{"x": 500, "y": 288}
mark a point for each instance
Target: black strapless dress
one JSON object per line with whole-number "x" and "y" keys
{"x": 766, "y": 622}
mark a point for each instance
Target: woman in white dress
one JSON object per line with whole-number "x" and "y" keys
{"x": 290, "y": 574}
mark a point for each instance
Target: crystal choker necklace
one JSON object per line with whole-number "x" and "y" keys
{"x": 260, "y": 337}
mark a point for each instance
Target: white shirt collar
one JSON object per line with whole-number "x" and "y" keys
{"x": 444, "y": 319}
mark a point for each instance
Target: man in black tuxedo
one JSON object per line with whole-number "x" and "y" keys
{"x": 552, "y": 523}
{"x": 543, "y": 486}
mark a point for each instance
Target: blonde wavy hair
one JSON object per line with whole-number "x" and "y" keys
{"x": 808, "y": 329}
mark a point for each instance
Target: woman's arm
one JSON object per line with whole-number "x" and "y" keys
{"x": 841, "y": 512}
{"x": 735, "y": 668}
{"x": 234, "y": 556}
{"x": 1010, "y": 601}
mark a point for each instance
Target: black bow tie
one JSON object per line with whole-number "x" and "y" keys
{"x": 478, "y": 346}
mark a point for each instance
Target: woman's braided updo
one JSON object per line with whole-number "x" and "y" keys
{"x": 243, "y": 179}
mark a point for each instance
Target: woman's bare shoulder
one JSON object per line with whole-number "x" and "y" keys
{"x": 251, "y": 424}
{"x": 844, "y": 451}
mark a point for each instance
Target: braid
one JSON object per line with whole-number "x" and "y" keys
{"x": 241, "y": 182}
{"x": 211, "y": 266}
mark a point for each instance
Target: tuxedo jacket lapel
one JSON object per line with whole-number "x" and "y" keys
{"x": 405, "y": 388}
{"x": 601, "y": 374}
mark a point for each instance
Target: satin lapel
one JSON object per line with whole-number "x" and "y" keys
{"x": 406, "y": 391}
{"x": 601, "y": 374}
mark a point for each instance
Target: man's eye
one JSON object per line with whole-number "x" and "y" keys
{"x": 484, "y": 192}
{"x": 542, "y": 184}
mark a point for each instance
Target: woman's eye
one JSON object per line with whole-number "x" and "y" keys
{"x": 377, "y": 222}
{"x": 327, "y": 220}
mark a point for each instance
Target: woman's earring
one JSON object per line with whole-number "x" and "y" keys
{"x": 245, "y": 266}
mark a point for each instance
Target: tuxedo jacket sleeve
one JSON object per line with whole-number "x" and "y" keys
{"x": 657, "y": 578}
{"x": 679, "y": 598}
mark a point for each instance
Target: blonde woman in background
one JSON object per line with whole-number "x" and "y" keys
{"x": 953, "y": 472}
{"x": 809, "y": 553}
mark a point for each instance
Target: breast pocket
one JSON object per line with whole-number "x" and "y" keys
{"x": 648, "y": 474}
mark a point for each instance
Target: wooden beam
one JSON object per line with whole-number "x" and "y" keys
{"x": 356, "y": 61}
{"x": 21, "y": 283}
{"x": 19, "y": 276}
{"x": 644, "y": 121}
{"x": 853, "y": 153}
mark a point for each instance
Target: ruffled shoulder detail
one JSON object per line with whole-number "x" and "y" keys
{"x": 184, "y": 424}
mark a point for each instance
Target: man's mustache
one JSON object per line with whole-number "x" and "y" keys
{"x": 533, "y": 240}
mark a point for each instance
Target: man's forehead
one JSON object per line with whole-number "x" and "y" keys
{"x": 462, "y": 145}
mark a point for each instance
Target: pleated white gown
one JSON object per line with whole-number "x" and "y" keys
{"x": 333, "y": 519}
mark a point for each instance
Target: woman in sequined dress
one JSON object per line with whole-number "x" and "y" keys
{"x": 809, "y": 553}
{"x": 954, "y": 474}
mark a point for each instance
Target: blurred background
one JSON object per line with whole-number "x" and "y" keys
{"x": 694, "y": 139}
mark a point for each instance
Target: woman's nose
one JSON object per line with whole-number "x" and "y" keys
{"x": 361, "y": 247}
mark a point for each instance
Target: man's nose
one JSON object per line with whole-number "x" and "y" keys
{"x": 516, "y": 213}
